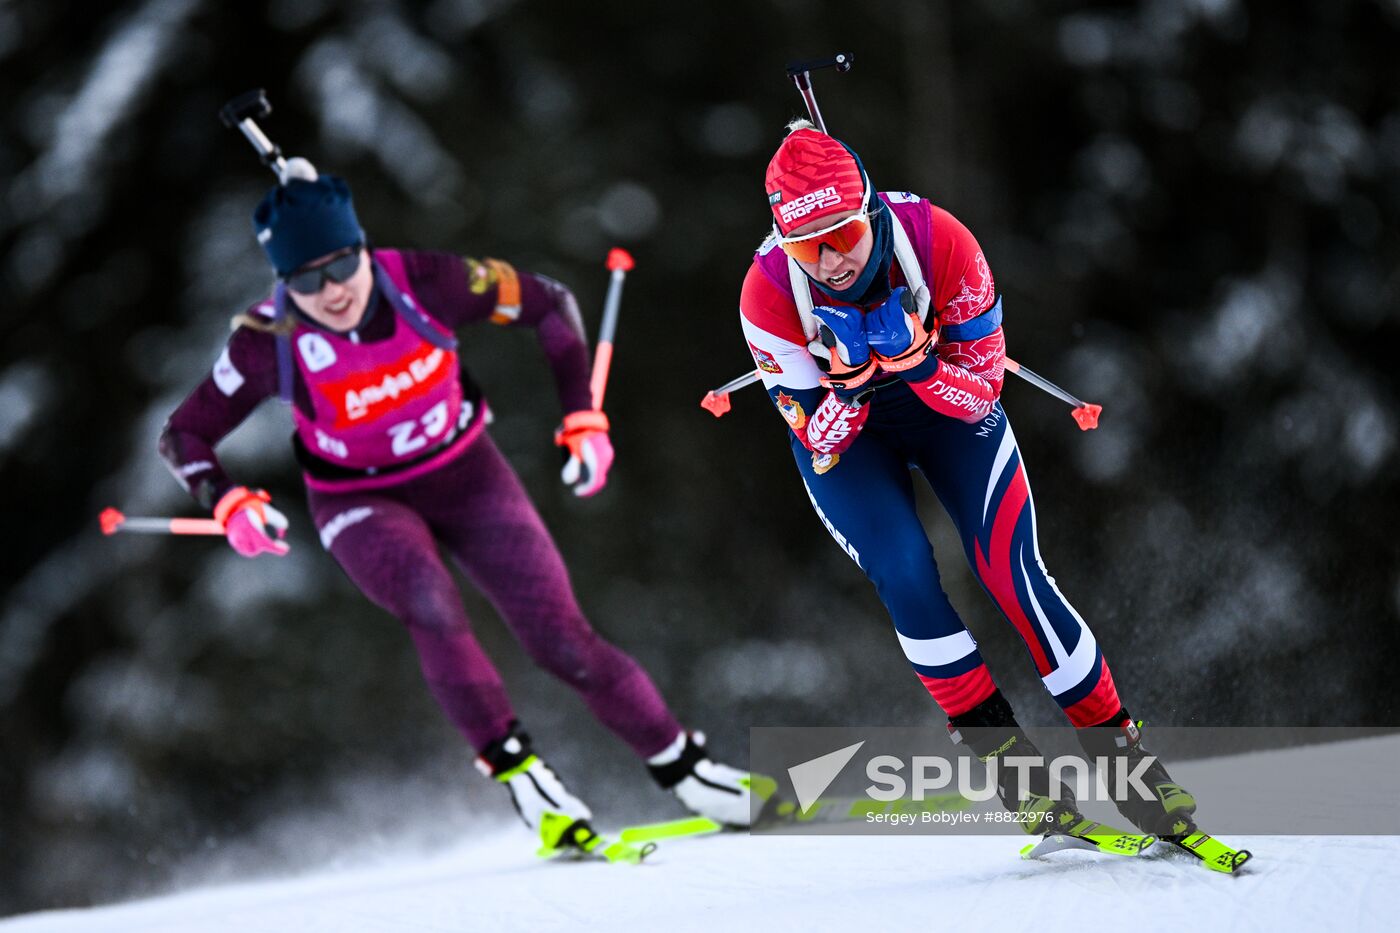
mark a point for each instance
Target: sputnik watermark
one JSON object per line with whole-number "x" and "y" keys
{"x": 919, "y": 777}
{"x": 953, "y": 817}
{"x": 878, "y": 780}
{"x": 933, "y": 773}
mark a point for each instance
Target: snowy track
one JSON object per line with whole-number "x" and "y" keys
{"x": 771, "y": 883}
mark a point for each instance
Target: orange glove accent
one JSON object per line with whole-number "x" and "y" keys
{"x": 250, "y": 523}
{"x": 843, "y": 378}
{"x": 240, "y": 497}
{"x": 585, "y": 435}
{"x": 576, "y": 425}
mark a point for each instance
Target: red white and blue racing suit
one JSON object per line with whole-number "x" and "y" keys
{"x": 950, "y": 427}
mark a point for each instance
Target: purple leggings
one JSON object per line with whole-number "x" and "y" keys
{"x": 387, "y": 541}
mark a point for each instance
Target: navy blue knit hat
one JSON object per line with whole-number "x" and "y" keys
{"x": 304, "y": 220}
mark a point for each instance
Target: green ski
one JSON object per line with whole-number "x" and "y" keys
{"x": 562, "y": 835}
{"x": 671, "y": 829}
{"x": 1090, "y": 836}
{"x": 1211, "y": 852}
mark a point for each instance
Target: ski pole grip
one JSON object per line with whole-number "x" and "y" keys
{"x": 800, "y": 73}
{"x": 841, "y": 61}
{"x": 250, "y": 105}
{"x": 241, "y": 113}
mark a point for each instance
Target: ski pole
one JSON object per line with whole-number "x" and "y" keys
{"x": 801, "y": 75}
{"x": 113, "y": 521}
{"x": 240, "y": 113}
{"x": 620, "y": 263}
{"x": 1085, "y": 414}
{"x": 716, "y": 401}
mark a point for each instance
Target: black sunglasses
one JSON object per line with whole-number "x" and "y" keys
{"x": 310, "y": 281}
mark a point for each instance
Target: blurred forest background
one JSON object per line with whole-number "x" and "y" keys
{"x": 1192, "y": 208}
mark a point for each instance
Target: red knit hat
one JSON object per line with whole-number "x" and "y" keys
{"x": 812, "y": 175}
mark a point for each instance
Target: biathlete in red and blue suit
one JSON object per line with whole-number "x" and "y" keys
{"x": 360, "y": 344}
{"x": 876, "y": 325}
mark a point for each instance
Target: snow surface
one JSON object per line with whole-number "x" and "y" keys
{"x": 492, "y": 881}
{"x": 740, "y": 882}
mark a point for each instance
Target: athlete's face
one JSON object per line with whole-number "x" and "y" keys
{"x": 837, "y": 270}
{"x": 337, "y": 305}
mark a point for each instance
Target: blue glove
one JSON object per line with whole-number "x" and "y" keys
{"x": 842, "y": 330}
{"x": 887, "y": 328}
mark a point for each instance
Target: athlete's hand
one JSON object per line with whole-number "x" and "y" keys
{"x": 251, "y": 524}
{"x": 842, "y": 330}
{"x": 584, "y": 435}
{"x": 896, "y": 337}
{"x": 840, "y": 350}
{"x": 888, "y": 329}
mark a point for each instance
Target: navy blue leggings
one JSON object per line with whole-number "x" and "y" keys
{"x": 866, "y": 501}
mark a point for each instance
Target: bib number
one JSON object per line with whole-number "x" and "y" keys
{"x": 406, "y": 437}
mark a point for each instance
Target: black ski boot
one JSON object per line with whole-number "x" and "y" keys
{"x": 1117, "y": 741}
{"x": 990, "y": 731}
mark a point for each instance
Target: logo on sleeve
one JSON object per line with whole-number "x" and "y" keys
{"x": 974, "y": 295}
{"x": 226, "y": 375}
{"x": 764, "y": 359}
{"x": 316, "y": 352}
{"x": 342, "y": 521}
{"x": 791, "y": 410}
{"x": 481, "y": 276}
{"x": 832, "y": 425}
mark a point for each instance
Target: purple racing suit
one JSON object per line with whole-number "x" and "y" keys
{"x": 396, "y": 460}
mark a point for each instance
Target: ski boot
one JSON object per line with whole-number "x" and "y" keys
{"x": 1117, "y": 742}
{"x": 559, "y": 818}
{"x": 709, "y": 789}
{"x": 990, "y": 731}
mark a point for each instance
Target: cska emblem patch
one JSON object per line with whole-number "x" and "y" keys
{"x": 791, "y": 410}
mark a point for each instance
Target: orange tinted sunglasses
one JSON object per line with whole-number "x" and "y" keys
{"x": 842, "y": 237}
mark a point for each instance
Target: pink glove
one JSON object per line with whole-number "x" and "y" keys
{"x": 247, "y": 518}
{"x": 585, "y": 435}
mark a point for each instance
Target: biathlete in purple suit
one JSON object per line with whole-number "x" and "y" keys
{"x": 391, "y": 436}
